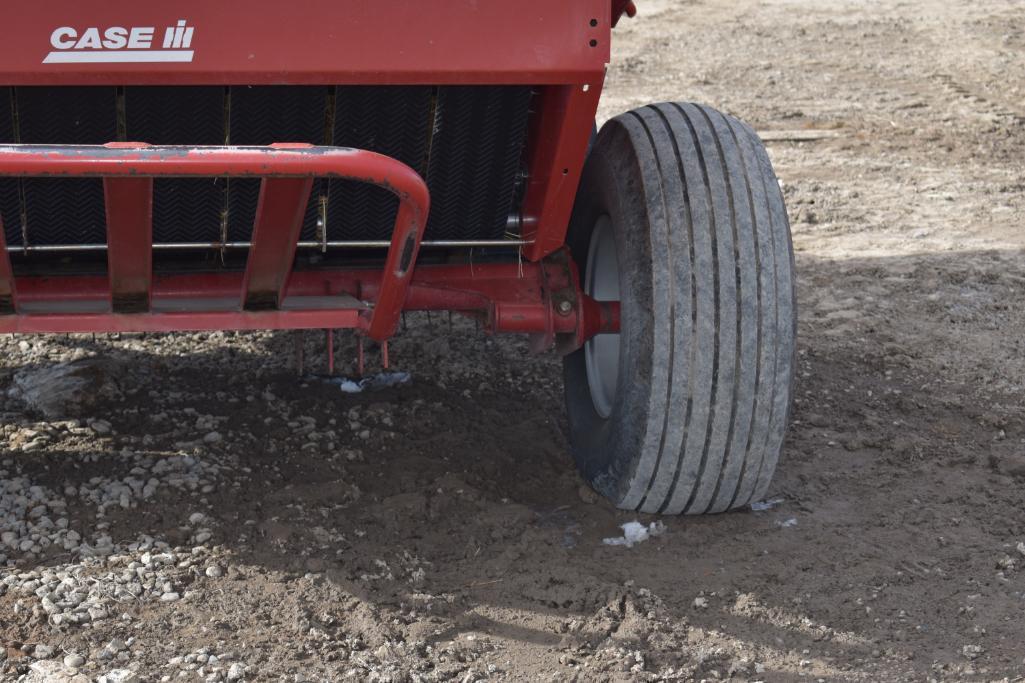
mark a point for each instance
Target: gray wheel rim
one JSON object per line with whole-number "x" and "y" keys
{"x": 601, "y": 352}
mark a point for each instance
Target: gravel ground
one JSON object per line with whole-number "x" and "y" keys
{"x": 189, "y": 508}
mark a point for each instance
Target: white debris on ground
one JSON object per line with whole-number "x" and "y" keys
{"x": 635, "y": 532}
{"x": 382, "y": 380}
{"x": 786, "y": 523}
{"x": 763, "y": 505}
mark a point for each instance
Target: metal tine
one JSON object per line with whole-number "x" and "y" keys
{"x": 359, "y": 354}
{"x": 330, "y": 352}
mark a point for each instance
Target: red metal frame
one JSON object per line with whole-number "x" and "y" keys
{"x": 8, "y": 298}
{"x": 504, "y": 297}
{"x": 537, "y": 42}
{"x": 561, "y": 48}
{"x": 280, "y": 211}
{"x": 560, "y": 134}
{"x": 535, "y": 297}
{"x": 127, "y": 170}
{"x": 130, "y": 236}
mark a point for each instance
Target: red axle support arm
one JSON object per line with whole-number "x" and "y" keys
{"x": 287, "y": 171}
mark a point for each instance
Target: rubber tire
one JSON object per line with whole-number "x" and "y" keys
{"x": 707, "y": 341}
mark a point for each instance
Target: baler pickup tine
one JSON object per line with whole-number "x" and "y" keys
{"x": 279, "y": 220}
{"x": 129, "y": 206}
{"x": 8, "y": 300}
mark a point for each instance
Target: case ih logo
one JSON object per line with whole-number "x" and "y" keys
{"x": 120, "y": 44}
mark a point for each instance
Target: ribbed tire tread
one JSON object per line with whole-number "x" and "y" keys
{"x": 712, "y": 273}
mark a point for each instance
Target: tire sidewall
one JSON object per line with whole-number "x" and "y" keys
{"x": 611, "y": 184}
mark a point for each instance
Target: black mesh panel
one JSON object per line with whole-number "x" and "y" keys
{"x": 262, "y": 115}
{"x": 63, "y": 211}
{"x": 184, "y": 209}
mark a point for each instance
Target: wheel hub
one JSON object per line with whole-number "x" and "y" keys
{"x": 601, "y": 282}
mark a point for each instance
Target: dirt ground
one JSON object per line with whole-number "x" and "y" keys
{"x": 225, "y": 520}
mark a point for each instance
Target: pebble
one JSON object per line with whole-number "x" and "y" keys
{"x": 42, "y": 651}
{"x": 170, "y": 597}
{"x": 587, "y": 494}
{"x": 119, "y": 676}
{"x": 972, "y": 651}
{"x": 74, "y": 661}
{"x": 213, "y": 571}
{"x": 115, "y": 646}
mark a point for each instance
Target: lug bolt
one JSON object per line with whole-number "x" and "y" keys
{"x": 565, "y": 307}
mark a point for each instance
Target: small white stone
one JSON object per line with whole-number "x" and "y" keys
{"x": 74, "y": 661}
{"x": 170, "y": 597}
{"x": 213, "y": 571}
{"x": 116, "y": 645}
{"x": 42, "y": 651}
{"x": 119, "y": 676}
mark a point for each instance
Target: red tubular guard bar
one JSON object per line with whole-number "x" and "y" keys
{"x": 287, "y": 171}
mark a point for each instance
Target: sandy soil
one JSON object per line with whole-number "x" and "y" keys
{"x": 439, "y": 532}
